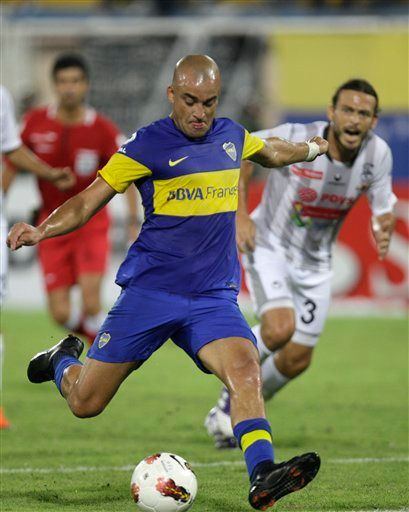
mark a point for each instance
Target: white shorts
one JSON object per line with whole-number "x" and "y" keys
{"x": 274, "y": 282}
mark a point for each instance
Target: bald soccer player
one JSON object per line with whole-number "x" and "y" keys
{"x": 180, "y": 279}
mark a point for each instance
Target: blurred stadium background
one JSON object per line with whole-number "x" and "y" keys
{"x": 280, "y": 61}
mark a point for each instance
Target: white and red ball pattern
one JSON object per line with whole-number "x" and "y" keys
{"x": 163, "y": 482}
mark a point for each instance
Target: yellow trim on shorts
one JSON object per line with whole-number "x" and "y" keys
{"x": 252, "y": 437}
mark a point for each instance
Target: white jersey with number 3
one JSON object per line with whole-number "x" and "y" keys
{"x": 305, "y": 204}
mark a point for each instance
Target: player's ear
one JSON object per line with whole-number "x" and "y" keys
{"x": 374, "y": 122}
{"x": 171, "y": 95}
{"x": 330, "y": 112}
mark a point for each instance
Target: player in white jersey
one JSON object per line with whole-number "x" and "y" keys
{"x": 22, "y": 157}
{"x": 287, "y": 241}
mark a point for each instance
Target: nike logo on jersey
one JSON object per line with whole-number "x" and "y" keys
{"x": 172, "y": 163}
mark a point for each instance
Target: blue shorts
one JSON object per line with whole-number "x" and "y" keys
{"x": 141, "y": 321}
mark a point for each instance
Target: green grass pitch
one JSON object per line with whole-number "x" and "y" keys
{"x": 351, "y": 407}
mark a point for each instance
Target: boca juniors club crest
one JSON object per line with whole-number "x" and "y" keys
{"x": 230, "y": 149}
{"x": 103, "y": 339}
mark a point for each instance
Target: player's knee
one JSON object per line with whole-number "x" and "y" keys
{"x": 276, "y": 334}
{"x": 91, "y": 307}
{"x": 244, "y": 375}
{"x": 86, "y": 408}
{"x": 60, "y": 315}
{"x": 91, "y": 300}
{"x": 295, "y": 364}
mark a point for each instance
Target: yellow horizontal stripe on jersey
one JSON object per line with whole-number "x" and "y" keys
{"x": 252, "y": 437}
{"x": 120, "y": 171}
{"x": 203, "y": 193}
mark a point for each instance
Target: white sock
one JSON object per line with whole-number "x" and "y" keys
{"x": 263, "y": 350}
{"x": 92, "y": 323}
{"x": 224, "y": 401}
{"x": 273, "y": 379}
{"x": 74, "y": 320}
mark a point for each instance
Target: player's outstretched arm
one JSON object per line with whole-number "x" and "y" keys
{"x": 69, "y": 216}
{"x": 279, "y": 152}
{"x": 245, "y": 227}
{"x": 382, "y": 229}
{"x": 24, "y": 158}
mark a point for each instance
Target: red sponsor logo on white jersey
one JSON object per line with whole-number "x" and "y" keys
{"x": 308, "y": 195}
{"x": 304, "y": 172}
{"x": 340, "y": 200}
{"x": 318, "y": 212}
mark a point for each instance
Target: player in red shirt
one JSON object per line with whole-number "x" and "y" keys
{"x": 72, "y": 134}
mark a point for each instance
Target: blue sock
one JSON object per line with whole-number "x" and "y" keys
{"x": 255, "y": 439}
{"x": 61, "y": 361}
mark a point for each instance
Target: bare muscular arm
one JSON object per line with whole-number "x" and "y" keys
{"x": 382, "y": 229}
{"x": 24, "y": 158}
{"x": 279, "y": 152}
{"x": 69, "y": 216}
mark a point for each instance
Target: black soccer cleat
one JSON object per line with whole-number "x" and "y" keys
{"x": 41, "y": 369}
{"x": 271, "y": 484}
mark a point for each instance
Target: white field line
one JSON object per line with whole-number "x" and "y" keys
{"x": 77, "y": 469}
{"x": 366, "y": 460}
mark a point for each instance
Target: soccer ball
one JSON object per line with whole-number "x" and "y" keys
{"x": 163, "y": 482}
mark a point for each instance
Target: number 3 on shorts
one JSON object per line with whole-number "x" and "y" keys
{"x": 309, "y": 316}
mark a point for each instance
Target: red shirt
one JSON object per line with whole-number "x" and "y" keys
{"x": 84, "y": 148}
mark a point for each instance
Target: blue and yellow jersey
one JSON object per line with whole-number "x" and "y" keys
{"x": 189, "y": 190}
